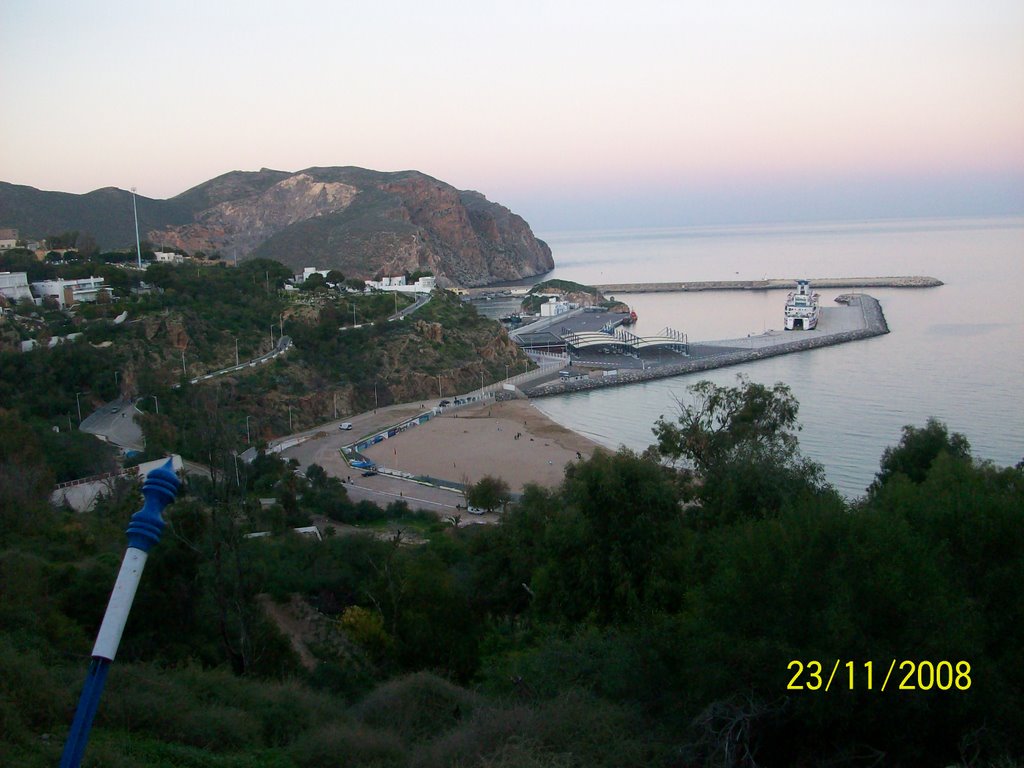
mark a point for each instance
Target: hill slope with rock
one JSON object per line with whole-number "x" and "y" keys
{"x": 365, "y": 223}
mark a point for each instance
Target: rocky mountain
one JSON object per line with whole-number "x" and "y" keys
{"x": 365, "y": 223}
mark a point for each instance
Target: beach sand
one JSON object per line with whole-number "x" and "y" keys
{"x": 481, "y": 439}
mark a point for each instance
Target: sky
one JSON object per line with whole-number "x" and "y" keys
{"x": 577, "y": 115}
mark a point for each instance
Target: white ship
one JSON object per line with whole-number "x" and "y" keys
{"x": 802, "y": 308}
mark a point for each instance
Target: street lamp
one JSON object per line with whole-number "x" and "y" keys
{"x": 439, "y": 385}
{"x": 236, "y": 350}
{"x": 289, "y": 418}
{"x": 247, "y": 440}
{"x": 79, "y": 404}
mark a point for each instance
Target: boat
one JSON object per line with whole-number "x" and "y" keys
{"x": 802, "y": 308}
{"x": 630, "y": 319}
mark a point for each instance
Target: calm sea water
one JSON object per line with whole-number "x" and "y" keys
{"x": 955, "y": 352}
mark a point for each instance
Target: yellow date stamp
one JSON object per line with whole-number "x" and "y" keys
{"x": 910, "y": 675}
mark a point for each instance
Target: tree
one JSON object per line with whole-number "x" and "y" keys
{"x": 335, "y": 277}
{"x": 917, "y": 451}
{"x": 313, "y": 282}
{"x": 488, "y": 492}
{"x": 723, "y": 418}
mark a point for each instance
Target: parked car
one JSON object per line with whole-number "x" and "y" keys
{"x": 346, "y": 425}
{"x": 475, "y": 510}
{"x": 370, "y": 473}
{"x": 444, "y": 403}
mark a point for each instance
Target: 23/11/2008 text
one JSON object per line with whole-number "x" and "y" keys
{"x": 912, "y": 675}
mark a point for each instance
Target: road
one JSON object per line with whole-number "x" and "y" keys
{"x": 283, "y": 345}
{"x": 115, "y": 422}
{"x": 383, "y": 490}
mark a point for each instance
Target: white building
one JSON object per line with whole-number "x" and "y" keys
{"x": 70, "y": 291}
{"x": 308, "y": 272}
{"x": 168, "y": 257}
{"x": 8, "y": 239}
{"x": 397, "y": 283}
{"x": 553, "y": 307}
{"x": 14, "y": 285}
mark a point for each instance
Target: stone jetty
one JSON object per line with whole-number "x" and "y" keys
{"x": 844, "y": 283}
{"x": 860, "y": 317}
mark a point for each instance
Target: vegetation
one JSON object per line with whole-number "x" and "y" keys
{"x": 647, "y": 611}
{"x": 637, "y": 614}
{"x": 488, "y": 493}
{"x": 196, "y": 319}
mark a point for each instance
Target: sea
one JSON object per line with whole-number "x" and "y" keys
{"x": 955, "y": 352}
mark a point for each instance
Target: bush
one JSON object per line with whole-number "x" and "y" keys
{"x": 349, "y": 745}
{"x": 417, "y": 706}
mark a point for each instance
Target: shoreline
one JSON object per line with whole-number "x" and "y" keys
{"x": 509, "y": 439}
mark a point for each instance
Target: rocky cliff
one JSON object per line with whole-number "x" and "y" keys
{"x": 365, "y": 223}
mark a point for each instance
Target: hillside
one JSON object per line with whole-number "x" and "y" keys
{"x": 365, "y": 223}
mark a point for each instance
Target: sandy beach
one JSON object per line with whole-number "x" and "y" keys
{"x": 482, "y": 439}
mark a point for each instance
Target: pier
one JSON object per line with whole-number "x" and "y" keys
{"x": 773, "y": 284}
{"x": 859, "y": 317}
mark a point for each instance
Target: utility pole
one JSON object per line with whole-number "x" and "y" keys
{"x": 183, "y": 371}
{"x": 335, "y": 405}
{"x": 236, "y": 350}
{"x": 159, "y": 490}
{"x": 247, "y": 440}
{"x": 79, "y": 404}
{"x": 375, "y": 403}
{"x": 439, "y": 385}
{"x": 138, "y": 243}
{"x": 289, "y": 418}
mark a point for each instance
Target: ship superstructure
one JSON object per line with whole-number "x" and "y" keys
{"x": 802, "y": 308}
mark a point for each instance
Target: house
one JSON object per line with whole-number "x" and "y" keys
{"x": 67, "y": 292}
{"x": 14, "y": 286}
{"x": 397, "y": 283}
{"x": 308, "y": 272}
{"x": 554, "y": 307}
{"x": 8, "y": 239}
{"x": 166, "y": 257}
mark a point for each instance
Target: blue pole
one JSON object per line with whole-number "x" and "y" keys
{"x": 144, "y": 530}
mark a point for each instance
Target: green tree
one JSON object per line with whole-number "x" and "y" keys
{"x": 607, "y": 550}
{"x": 917, "y": 451}
{"x": 488, "y": 493}
{"x": 723, "y": 418}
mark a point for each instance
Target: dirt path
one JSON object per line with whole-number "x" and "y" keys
{"x": 292, "y": 628}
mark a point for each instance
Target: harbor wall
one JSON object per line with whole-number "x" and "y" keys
{"x": 874, "y": 325}
{"x": 907, "y": 281}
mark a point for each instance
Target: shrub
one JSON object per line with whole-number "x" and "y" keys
{"x": 349, "y": 745}
{"x": 417, "y": 706}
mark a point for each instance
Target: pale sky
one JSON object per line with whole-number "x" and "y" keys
{"x": 574, "y": 114}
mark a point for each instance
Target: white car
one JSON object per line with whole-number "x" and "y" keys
{"x": 346, "y": 425}
{"x": 475, "y": 510}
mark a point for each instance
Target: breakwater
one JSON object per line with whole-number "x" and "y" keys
{"x": 873, "y": 324}
{"x": 907, "y": 281}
